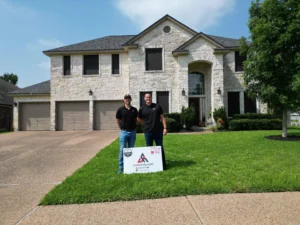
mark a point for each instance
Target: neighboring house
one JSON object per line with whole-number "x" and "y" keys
{"x": 294, "y": 119}
{"x": 180, "y": 66}
{"x": 6, "y": 105}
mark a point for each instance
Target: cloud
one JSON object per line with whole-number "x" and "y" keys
{"x": 198, "y": 14}
{"x": 12, "y": 9}
{"x": 45, "y": 65}
{"x": 50, "y": 43}
{"x": 7, "y": 6}
{"x": 45, "y": 44}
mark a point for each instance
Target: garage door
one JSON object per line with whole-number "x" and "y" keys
{"x": 72, "y": 116}
{"x": 34, "y": 116}
{"x": 105, "y": 115}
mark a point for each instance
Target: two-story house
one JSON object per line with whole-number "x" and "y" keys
{"x": 178, "y": 65}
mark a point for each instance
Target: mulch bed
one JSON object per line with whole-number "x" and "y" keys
{"x": 280, "y": 138}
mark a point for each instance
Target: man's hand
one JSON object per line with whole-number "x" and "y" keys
{"x": 163, "y": 120}
{"x": 165, "y": 132}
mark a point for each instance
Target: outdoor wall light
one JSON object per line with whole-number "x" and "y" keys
{"x": 219, "y": 91}
{"x": 183, "y": 92}
{"x": 15, "y": 104}
{"x": 90, "y": 92}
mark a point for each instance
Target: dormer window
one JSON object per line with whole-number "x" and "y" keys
{"x": 153, "y": 59}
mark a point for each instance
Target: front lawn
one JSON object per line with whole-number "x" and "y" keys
{"x": 223, "y": 162}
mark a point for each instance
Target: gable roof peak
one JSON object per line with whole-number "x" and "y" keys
{"x": 167, "y": 16}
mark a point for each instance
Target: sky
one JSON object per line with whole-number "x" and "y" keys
{"x": 28, "y": 27}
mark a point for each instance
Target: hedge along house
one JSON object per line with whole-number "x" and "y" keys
{"x": 178, "y": 65}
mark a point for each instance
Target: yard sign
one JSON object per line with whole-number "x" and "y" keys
{"x": 142, "y": 159}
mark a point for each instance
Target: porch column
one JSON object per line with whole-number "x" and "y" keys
{"x": 16, "y": 117}
{"x": 52, "y": 114}
{"x": 91, "y": 111}
{"x": 182, "y": 83}
{"x": 217, "y": 82}
{"x": 242, "y": 103}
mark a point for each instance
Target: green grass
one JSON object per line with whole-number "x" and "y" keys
{"x": 223, "y": 162}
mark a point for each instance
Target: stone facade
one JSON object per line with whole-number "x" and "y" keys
{"x": 166, "y": 80}
{"x": 218, "y": 69}
{"x": 76, "y": 87}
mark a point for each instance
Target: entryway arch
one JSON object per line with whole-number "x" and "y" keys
{"x": 199, "y": 73}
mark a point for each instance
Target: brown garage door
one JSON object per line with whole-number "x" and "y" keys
{"x": 105, "y": 115}
{"x": 72, "y": 116}
{"x": 34, "y": 116}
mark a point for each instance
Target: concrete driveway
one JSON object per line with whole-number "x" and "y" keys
{"x": 32, "y": 163}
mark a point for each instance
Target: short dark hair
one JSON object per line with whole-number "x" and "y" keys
{"x": 148, "y": 93}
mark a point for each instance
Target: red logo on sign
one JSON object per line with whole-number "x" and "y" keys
{"x": 142, "y": 158}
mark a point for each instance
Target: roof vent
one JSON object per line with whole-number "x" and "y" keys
{"x": 167, "y": 29}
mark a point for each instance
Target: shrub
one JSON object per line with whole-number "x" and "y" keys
{"x": 188, "y": 117}
{"x": 171, "y": 125}
{"x": 258, "y": 124}
{"x": 177, "y": 118}
{"x": 220, "y": 115}
{"x": 254, "y": 116}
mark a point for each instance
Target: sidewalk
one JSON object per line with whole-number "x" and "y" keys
{"x": 232, "y": 209}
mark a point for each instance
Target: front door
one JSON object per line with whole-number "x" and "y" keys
{"x": 194, "y": 103}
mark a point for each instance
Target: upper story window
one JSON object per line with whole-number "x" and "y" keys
{"x": 153, "y": 59}
{"x": 90, "y": 64}
{"x": 239, "y": 59}
{"x": 67, "y": 65}
{"x": 196, "y": 84}
{"x": 115, "y": 59}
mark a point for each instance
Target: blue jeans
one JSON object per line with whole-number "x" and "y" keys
{"x": 156, "y": 136}
{"x": 127, "y": 140}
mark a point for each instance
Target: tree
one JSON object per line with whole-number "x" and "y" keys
{"x": 272, "y": 67}
{"x": 10, "y": 77}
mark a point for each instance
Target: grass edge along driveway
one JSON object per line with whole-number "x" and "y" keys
{"x": 222, "y": 162}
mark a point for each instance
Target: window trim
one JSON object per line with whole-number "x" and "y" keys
{"x": 83, "y": 69}
{"x": 246, "y": 100}
{"x": 112, "y": 64}
{"x": 63, "y": 66}
{"x": 239, "y": 102}
{"x": 168, "y": 99}
{"x": 236, "y": 68}
{"x": 162, "y": 60}
{"x": 204, "y": 82}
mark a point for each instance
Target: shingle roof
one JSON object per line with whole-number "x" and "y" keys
{"x": 40, "y": 88}
{"x": 100, "y": 44}
{"x": 226, "y": 42}
{"x": 116, "y": 42}
{"x": 222, "y": 41}
{"x": 136, "y": 37}
{"x": 6, "y": 87}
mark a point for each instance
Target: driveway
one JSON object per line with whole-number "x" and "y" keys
{"x": 32, "y": 163}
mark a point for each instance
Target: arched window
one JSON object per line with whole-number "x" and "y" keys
{"x": 196, "y": 84}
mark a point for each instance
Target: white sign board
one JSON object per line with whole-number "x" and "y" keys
{"x": 142, "y": 159}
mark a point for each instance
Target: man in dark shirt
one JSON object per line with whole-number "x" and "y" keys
{"x": 126, "y": 120}
{"x": 152, "y": 116}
